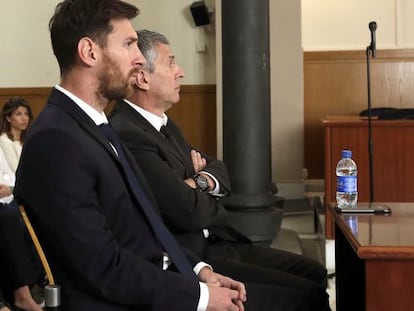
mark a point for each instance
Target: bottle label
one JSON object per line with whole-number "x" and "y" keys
{"x": 346, "y": 183}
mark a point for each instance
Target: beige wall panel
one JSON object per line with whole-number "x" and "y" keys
{"x": 343, "y": 25}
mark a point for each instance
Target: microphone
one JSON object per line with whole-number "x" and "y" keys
{"x": 372, "y": 27}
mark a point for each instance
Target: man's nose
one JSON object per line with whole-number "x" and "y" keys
{"x": 140, "y": 59}
{"x": 180, "y": 72}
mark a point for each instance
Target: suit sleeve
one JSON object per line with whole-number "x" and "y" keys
{"x": 183, "y": 208}
{"x": 214, "y": 166}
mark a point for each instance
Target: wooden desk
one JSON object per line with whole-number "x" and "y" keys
{"x": 374, "y": 260}
{"x": 393, "y": 154}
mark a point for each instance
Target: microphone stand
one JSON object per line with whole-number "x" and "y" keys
{"x": 370, "y": 142}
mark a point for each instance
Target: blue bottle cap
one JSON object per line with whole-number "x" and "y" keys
{"x": 346, "y": 154}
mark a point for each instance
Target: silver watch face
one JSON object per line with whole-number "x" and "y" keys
{"x": 201, "y": 182}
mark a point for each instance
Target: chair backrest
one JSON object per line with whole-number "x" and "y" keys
{"x": 52, "y": 290}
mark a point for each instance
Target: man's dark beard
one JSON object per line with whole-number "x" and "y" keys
{"x": 113, "y": 86}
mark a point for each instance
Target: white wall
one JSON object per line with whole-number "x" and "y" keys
{"x": 336, "y": 25}
{"x": 26, "y": 57}
{"x": 173, "y": 19}
{"x": 286, "y": 65}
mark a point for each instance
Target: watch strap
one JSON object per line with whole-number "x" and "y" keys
{"x": 201, "y": 182}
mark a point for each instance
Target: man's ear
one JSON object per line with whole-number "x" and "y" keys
{"x": 143, "y": 80}
{"x": 87, "y": 51}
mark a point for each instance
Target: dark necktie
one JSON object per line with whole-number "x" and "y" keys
{"x": 168, "y": 242}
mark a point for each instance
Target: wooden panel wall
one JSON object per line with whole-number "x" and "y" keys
{"x": 35, "y": 96}
{"x": 195, "y": 113}
{"x": 335, "y": 83}
{"x": 196, "y": 116}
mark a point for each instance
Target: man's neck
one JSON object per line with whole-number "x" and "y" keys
{"x": 86, "y": 90}
{"x": 147, "y": 103}
{"x": 97, "y": 116}
{"x": 155, "y": 120}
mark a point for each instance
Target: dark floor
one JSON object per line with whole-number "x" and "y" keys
{"x": 302, "y": 228}
{"x": 302, "y": 232}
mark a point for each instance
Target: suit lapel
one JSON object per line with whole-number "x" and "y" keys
{"x": 59, "y": 99}
{"x": 180, "y": 150}
{"x": 172, "y": 142}
{"x": 138, "y": 120}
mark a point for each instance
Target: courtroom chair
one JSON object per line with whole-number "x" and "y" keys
{"x": 51, "y": 290}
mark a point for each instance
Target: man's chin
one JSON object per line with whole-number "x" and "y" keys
{"x": 129, "y": 90}
{"x": 115, "y": 95}
{"x": 169, "y": 106}
{"x": 124, "y": 92}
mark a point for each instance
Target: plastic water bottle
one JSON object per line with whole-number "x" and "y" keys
{"x": 346, "y": 181}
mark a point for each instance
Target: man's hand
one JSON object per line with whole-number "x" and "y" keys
{"x": 198, "y": 162}
{"x": 223, "y": 299}
{"x": 4, "y": 191}
{"x": 224, "y": 292}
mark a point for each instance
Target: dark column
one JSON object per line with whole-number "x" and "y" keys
{"x": 246, "y": 117}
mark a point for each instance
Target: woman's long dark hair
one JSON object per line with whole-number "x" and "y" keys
{"x": 10, "y": 106}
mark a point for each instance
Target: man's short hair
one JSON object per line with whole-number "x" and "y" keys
{"x": 147, "y": 43}
{"x": 75, "y": 19}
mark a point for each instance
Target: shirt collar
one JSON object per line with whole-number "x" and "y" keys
{"x": 155, "y": 120}
{"x": 97, "y": 117}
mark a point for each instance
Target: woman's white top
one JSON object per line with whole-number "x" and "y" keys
{"x": 12, "y": 151}
{"x": 7, "y": 177}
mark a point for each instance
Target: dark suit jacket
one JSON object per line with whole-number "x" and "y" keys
{"x": 184, "y": 209}
{"x": 100, "y": 245}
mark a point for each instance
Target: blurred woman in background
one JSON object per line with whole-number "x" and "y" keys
{"x": 20, "y": 271}
{"x": 15, "y": 117}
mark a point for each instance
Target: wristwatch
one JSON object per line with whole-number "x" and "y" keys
{"x": 201, "y": 182}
